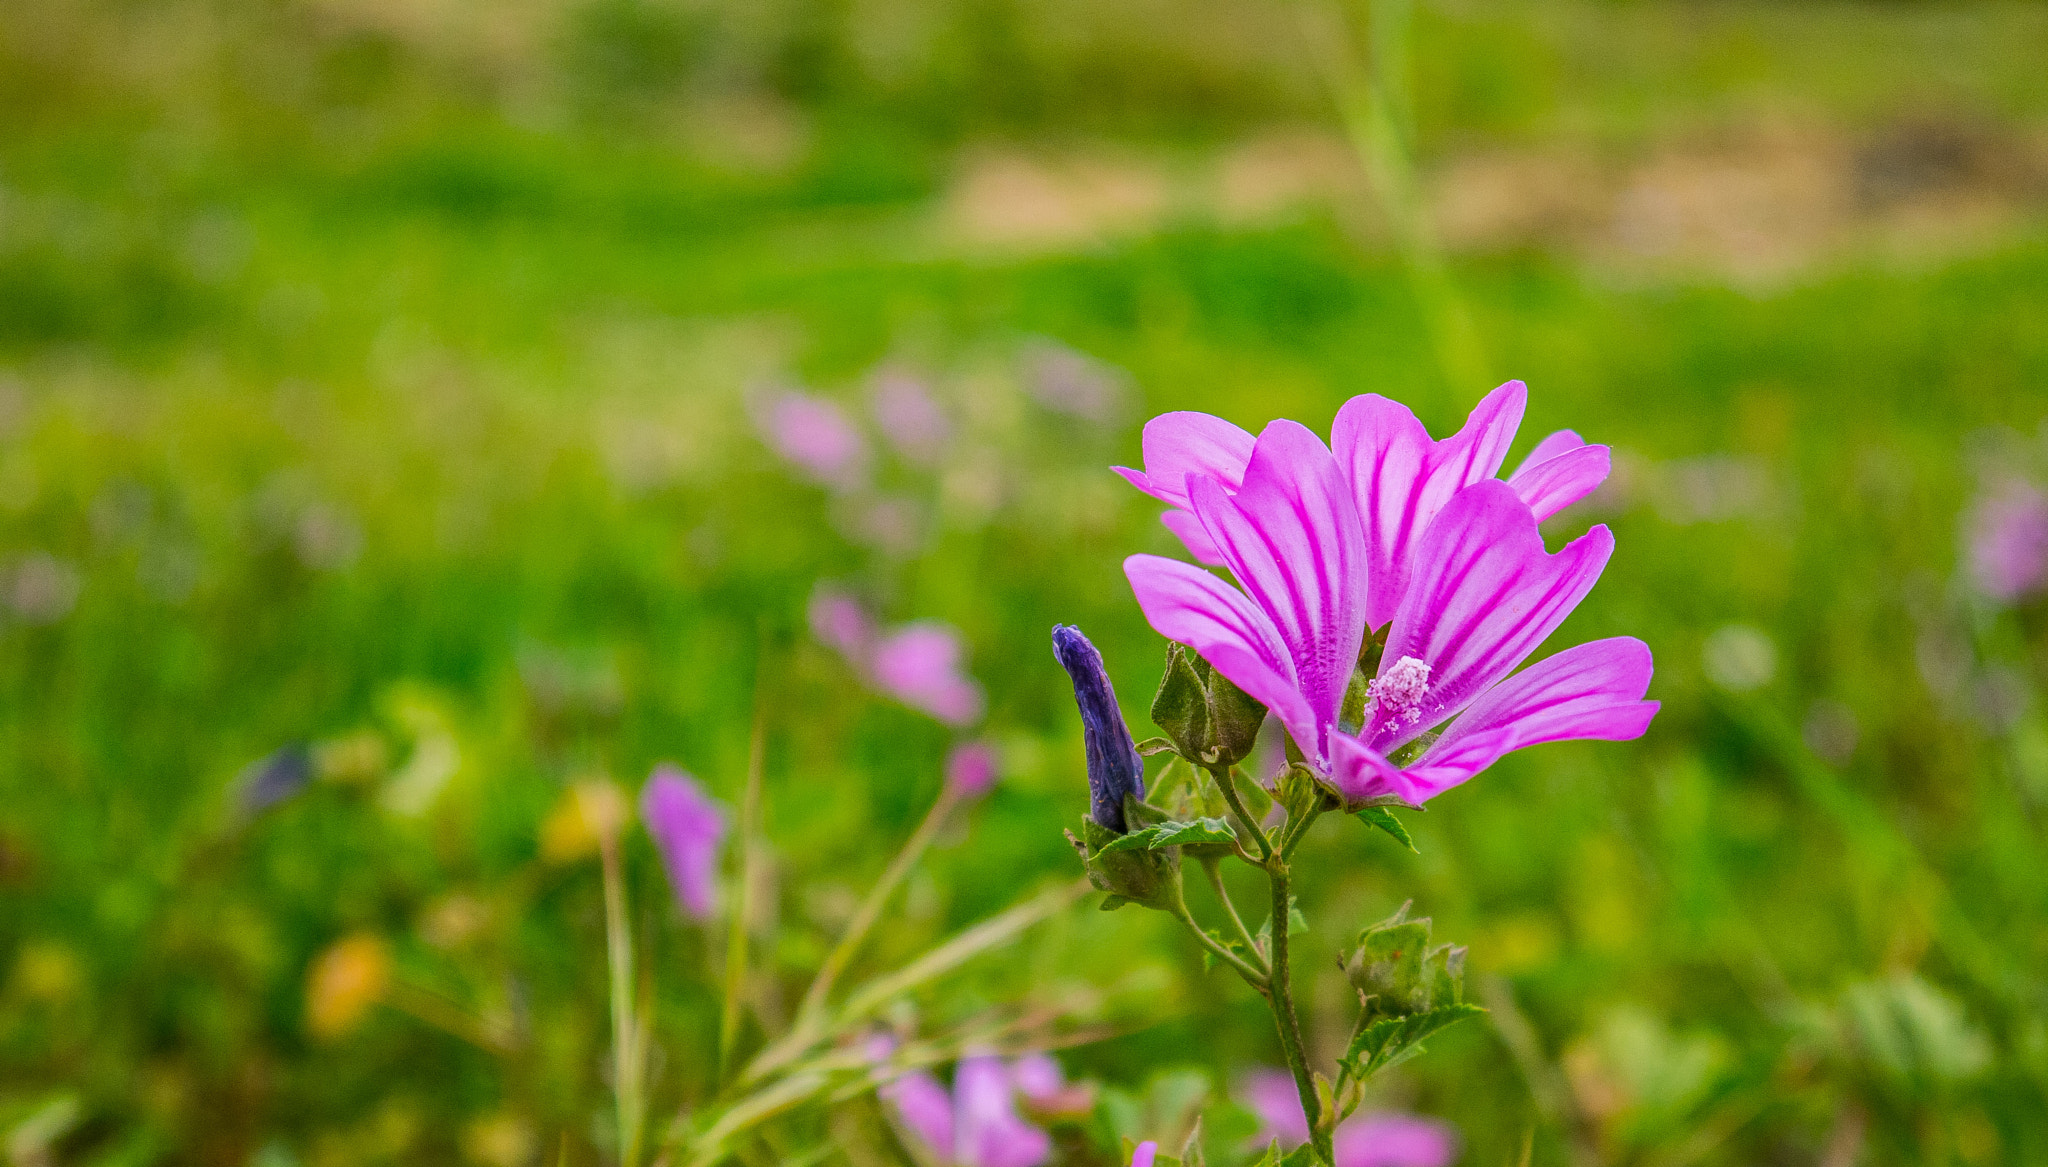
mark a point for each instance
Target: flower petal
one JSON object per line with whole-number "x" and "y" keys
{"x": 1183, "y": 443}
{"x": 924, "y": 1106}
{"x": 1394, "y": 1140}
{"x": 1561, "y": 442}
{"x": 1401, "y": 479}
{"x": 1197, "y": 541}
{"x": 1485, "y": 594}
{"x": 990, "y": 1134}
{"x": 1551, "y": 485}
{"x": 1292, "y": 538}
{"x": 1185, "y": 603}
{"x": 1591, "y": 690}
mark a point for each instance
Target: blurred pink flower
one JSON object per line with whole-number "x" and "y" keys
{"x": 1043, "y": 1085}
{"x": 1144, "y": 1154}
{"x": 970, "y": 773}
{"x": 687, "y": 827}
{"x": 909, "y": 418}
{"x": 1363, "y": 1140}
{"x": 839, "y": 621}
{"x": 977, "y": 1125}
{"x": 2008, "y": 540}
{"x": 817, "y": 437}
{"x": 919, "y": 665}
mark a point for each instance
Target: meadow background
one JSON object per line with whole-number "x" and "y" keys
{"x": 385, "y": 377}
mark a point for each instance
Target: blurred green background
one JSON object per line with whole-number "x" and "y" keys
{"x": 377, "y": 374}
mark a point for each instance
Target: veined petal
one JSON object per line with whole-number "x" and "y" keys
{"x": 1591, "y": 690}
{"x": 1183, "y": 443}
{"x": 1400, "y": 478}
{"x": 1485, "y": 595}
{"x": 1292, "y": 538}
{"x": 1551, "y": 485}
{"x": 1360, "y": 772}
{"x": 1197, "y": 541}
{"x": 1561, "y": 442}
{"x": 1185, "y": 603}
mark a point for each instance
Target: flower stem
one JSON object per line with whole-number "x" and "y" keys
{"x": 743, "y": 891}
{"x": 1281, "y": 998}
{"x": 870, "y": 910}
{"x": 627, "y": 1062}
{"x": 1228, "y": 785}
{"x": 1214, "y": 868}
{"x": 1252, "y": 975}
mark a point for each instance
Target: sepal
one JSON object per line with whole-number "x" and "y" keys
{"x": 1132, "y": 874}
{"x": 1209, "y": 720}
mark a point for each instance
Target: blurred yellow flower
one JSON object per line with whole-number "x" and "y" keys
{"x": 587, "y": 813}
{"x": 344, "y": 982}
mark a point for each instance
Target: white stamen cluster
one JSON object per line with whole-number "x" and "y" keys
{"x": 1400, "y": 689}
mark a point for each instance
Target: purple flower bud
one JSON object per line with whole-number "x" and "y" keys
{"x": 1114, "y": 767}
{"x": 270, "y": 780}
{"x": 687, "y": 827}
{"x": 971, "y": 769}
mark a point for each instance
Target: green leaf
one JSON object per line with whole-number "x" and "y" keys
{"x": 1272, "y": 1157}
{"x": 1392, "y": 1040}
{"x": 1171, "y": 834}
{"x": 1209, "y": 957}
{"x": 1135, "y": 841}
{"x": 1384, "y": 819}
{"x": 1155, "y": 745}
{"x": 1302, "y": 1156}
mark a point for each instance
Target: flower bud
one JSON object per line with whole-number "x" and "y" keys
{"x": 1150, "y": 878}
{"x": 1115, "y": 771}
{"x": 1397, "y": 973}
{"x": 1208, "y": 719}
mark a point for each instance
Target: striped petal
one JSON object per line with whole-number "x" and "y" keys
{"x": 1292, "y": 538}
{"x": 1570, "y": 472}
{"x": 1588, "y": 691}
{"x": 1179, "y": 444}
{"x": 1185, "y": 603}
{"x": 1401, "y": 478}
{"x": 1485, "y": 595}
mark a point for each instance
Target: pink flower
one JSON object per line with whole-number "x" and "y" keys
{"x": 839, "y": 620}
{"x": 909, "y": 418}
{"x": 687, "y": 827}
{"x": 1144, "y": 1154}
{"x": 919, "y": 665}
{"x": 1363, "y": 1140}
{"x": 977, "y": 1125}
{"x": 2008, "y": 540}
{"x": 818, "y": 438}
{"x": 1399, "y": 478}
{"x": 970, "y": 773}
{"x": 1483, "y": 596}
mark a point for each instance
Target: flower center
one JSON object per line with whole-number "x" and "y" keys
{"x": 1400, "y": 689}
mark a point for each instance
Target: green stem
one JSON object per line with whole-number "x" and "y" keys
{"x": 1296, "y": 831}
{"x": 1228, "y": 785}
{"x": 626, "y": 1061}
{"x": 813, "y": 1009}
{"x": 742, "y": 900}
{"x": 1281, "y": 998}
{"x": 1214, "y": 868}
{"x": 1252, "y": 975}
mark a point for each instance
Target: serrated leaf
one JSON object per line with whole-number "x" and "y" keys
{"x": 1204, "y": 830}
{"x": 1273, "y": 1156}
{"x": 1209, "y": 956}
{"x": 1384, "y": 819}
{"x": 1392, "y": 1040}
{"x": 1140, "y": 840}
{"x": 1156, "y": 745}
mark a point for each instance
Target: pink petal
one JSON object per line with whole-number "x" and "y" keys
{"x": 1486, "y": 593}
{"x": 1561, "y": 442}
{"x": 1197, "y": 541}
{"x": 1393, "y": 1140}
{"x": 921, "y": 1101}
{"x": 687, "y": 827}
{"x": 989, "y": 1132}
{"x": 919, "y": 665}
{"x": 1401, "y": 478}
{"x": 1144, "y": 1154}
{"x": 1556, "y": 483}
{"x": 1271, "y": 1095}
{"x": 1183, "y": 443}
{"x": 1185, "y": 603}
{"x": 1588, "y": 691}
{"x": 1292, "y": 538}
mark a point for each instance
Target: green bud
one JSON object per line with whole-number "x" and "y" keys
{"x": 1209, "y": 720}
{"x": 1398, "y": 974}
{"x": 1151, "y": 878}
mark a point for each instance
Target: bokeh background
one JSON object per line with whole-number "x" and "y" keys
{"x": 384, "y": 380}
